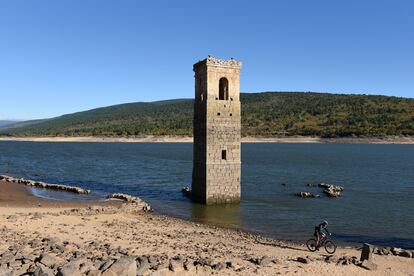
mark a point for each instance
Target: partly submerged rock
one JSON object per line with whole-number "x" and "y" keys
{"x": 43, "y": 185}
{"x": 186, "y": 191}
{"x": 133, "y": 202}
{"x": 332, "y": 190}
{"x": 307, "y": 195}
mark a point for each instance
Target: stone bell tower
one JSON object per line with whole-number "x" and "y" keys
{"x": 216, "y": 160}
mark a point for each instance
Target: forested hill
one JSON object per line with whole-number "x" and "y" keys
{"x": 263, "y": 114}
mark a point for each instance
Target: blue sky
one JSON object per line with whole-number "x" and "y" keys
{"x": 59, "y": 57}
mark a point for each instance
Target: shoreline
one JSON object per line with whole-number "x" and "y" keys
{"x": 188, "y": 139}
{"x": 19, "y": 194}
{"x": 26, "y": 196}
{"x": 16, "y": 195}
{"x": 101, "y": 234}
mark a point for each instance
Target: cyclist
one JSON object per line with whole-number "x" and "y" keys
{"x": 321, "y": 231}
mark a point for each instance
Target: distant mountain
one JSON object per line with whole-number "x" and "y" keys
{"x": 4, "y": 123}
{"x": 263, "y": 114}
{"x": 18, "y": 125}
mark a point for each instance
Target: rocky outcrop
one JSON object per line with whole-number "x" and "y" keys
{"x": 43, "y": 185}
{"x": 331, "y": 190}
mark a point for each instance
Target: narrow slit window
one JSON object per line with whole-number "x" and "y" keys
{"x": 223, "y": 155}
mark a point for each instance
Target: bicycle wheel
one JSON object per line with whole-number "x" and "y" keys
{"x": 330, "y": 247}
{"x": 311, "y": 244}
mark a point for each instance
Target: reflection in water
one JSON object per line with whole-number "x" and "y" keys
{"x": 222, "y": 215}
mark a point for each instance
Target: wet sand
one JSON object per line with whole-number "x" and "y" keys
{"x": 17, "y": 195}
{"x": 91, "y": 238}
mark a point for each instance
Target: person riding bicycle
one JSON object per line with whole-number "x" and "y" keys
{"x": 321, "y": 231}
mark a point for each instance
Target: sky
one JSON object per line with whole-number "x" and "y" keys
{"x": 59, "y": 57}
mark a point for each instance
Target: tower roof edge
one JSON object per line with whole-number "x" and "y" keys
{"x": 212, "y": 61}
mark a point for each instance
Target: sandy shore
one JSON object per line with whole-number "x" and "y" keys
{"x": 69, "y": 237}
{"x": 187, "y": 139}
{"x": 16, "y": 195}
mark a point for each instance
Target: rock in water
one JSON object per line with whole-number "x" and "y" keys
{"x": 307, "y": 195}
{"x": 186, "y": 191}
{"x": 331, "y": 190}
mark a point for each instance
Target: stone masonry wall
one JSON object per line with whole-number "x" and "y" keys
{"x": 216, "y": 175}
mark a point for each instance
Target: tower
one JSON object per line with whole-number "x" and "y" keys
{"x": 216, "y": 149}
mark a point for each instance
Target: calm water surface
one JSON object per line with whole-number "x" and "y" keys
{"x": 377, "y": 205}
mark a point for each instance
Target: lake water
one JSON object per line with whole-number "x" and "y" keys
{"x": 377, "y": 205}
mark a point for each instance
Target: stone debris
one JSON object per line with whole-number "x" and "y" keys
{"x": 38, "y": 254}
{"x": 329, "y": 189}
{"x": 307, "y": 195}
{"x": 346, "y": 260}
{"x": 125, "y": 266}
{"x": 304, "y": 260}
{"x": 43, "y": 185}
{"x": 125, "y": 197}
{"x": 260, "y": 261}
{"x": 406, "y": 253}
{"x": 394, "y": 251}
{"x": 134, "y": 202}
{"x": 95, "y": 258}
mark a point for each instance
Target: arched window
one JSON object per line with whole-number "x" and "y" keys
{"x": 223, "y": 89}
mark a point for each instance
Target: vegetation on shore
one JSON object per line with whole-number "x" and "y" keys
{"x": 263, "y": 114}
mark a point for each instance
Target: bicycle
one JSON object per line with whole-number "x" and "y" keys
{"x": 329, "y": 245}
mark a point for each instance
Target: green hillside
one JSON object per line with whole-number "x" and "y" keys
{"x": 264, "y": 114}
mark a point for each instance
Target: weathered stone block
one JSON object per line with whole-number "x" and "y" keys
{"x": 367, "y": 252}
